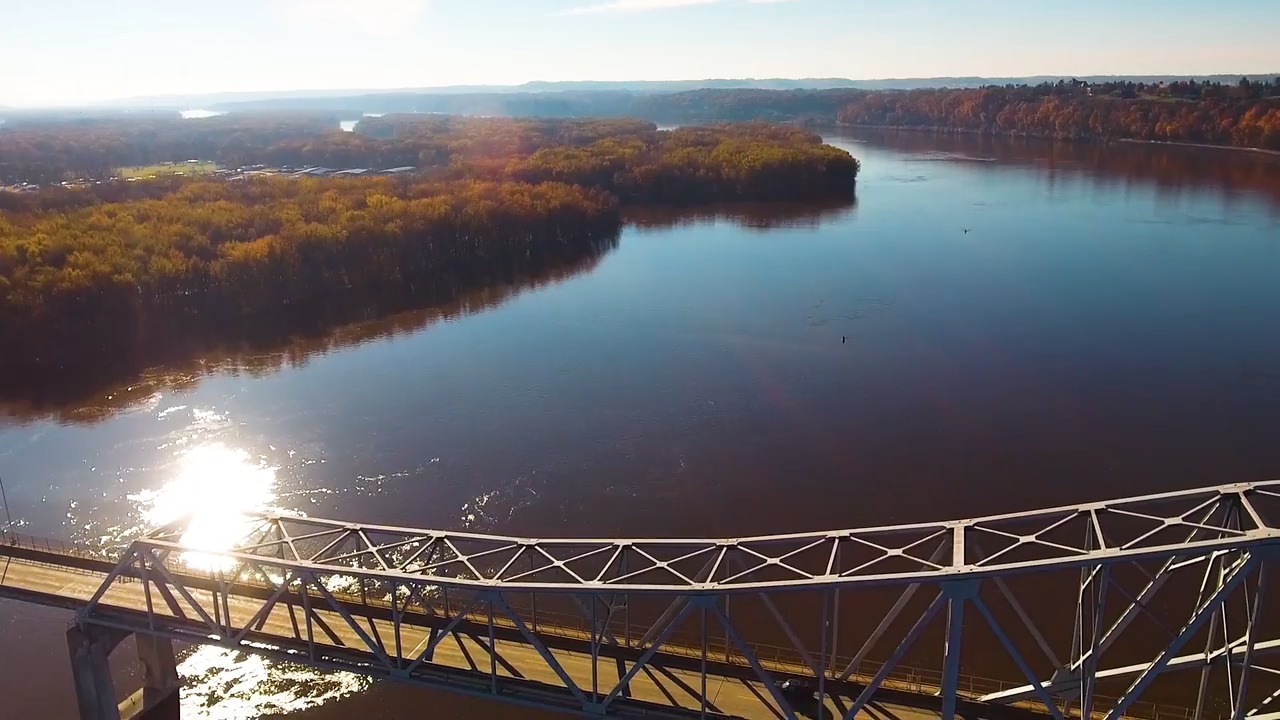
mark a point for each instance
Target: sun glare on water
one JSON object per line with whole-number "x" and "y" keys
{"x": 216, "y": 487}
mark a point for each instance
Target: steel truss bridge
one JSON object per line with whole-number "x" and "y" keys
{"x": 1152, "y": 607}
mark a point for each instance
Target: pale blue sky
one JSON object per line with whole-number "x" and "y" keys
{"x": 70, "y": 51}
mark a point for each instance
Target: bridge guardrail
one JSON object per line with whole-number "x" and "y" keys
{"x": 49, "y": 546}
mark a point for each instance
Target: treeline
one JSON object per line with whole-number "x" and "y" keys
{"x": 1244, "y": 115}
{"x": 47, "y": 152}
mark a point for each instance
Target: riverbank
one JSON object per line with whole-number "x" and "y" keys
{"x": 942, "y": 130}
{"x": 1259, "y": 151}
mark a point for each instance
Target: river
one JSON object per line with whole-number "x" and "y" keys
{"x": 993, "y": 326}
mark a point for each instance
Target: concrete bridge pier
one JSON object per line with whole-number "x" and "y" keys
{"x": 159, "y": 671}
{"x": 90, "y": 648}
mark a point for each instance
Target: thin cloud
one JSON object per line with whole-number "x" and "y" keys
{"x": 624, "y": 6}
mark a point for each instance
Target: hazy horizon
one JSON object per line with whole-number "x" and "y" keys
{"x": 169, "y": 100}
{"x": 84, "y": 52}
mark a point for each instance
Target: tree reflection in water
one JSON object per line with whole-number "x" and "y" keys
{"x": 752, "y": 216}
{"x": 93, "y": 387}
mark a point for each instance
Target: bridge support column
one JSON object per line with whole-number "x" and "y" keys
{"x": 90, "y": 650}
{"x": 159, "y": 671}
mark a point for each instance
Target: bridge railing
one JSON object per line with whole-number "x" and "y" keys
{"x": 48, "y": 546}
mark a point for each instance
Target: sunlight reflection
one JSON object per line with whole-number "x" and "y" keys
{"x": 216, "y": 486}
{"x": 220, "y": 684}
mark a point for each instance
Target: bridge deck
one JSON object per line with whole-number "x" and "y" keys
{"x": 55, "y": 579}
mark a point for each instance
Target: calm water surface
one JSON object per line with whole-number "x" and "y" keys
{"x": 1109, "y": 325}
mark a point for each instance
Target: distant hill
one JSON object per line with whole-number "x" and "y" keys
{"x": 973, "y": 82}
{"x": 679, "y": 107}
{"x": 668, "y": 86}
{"x": 207, "y": 100}
{"x": 285, "y": 99}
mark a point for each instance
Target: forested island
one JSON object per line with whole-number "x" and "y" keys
{"x": 90, "y": 273}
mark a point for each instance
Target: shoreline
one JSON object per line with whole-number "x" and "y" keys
{"x": 937, "y": 130}
{"x": 1261, "y": 151}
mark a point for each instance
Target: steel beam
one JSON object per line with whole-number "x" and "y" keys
{"x": 649, "y": 557}
{"x": 1202, "y": 614}
{"x": 957, "y": 594}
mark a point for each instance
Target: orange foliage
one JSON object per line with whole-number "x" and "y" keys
{"x": 1190, "y": 114}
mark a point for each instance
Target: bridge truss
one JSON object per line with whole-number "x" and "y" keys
{"x": 1092, "y": 610}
